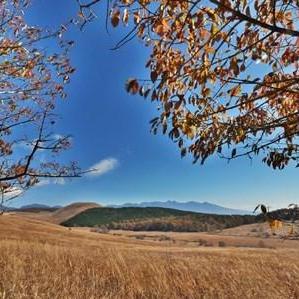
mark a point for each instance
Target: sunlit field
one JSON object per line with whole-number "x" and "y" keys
{"x": 41, "y": 260}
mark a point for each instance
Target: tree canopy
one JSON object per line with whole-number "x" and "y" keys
{"x": 224, "y": 73}
{"x": 32, "y": 78}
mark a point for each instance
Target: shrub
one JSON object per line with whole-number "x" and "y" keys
{"x": 101, "y": 230}
{"x": 202, "y": 242}
{"x": 164, "y": 238}
{"x": 221, "y": 244}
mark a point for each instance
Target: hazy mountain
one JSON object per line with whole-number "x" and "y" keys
{"x": 6, "y": 208}
{"x": 34, "y": 206}
{"x": 193, "y": 206}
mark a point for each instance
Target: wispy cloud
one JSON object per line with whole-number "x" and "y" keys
{"x": 96, "y": 170}
{"x": 45, "y": 182}
{"x": 103, "y": 167}
{"x": 10, "y": 194}
{"x": 29, "y": 144}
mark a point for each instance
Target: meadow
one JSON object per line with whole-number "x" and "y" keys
{"x": 44, "y": 260}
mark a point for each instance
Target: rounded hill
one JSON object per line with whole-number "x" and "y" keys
{"x": 70, "y": 211}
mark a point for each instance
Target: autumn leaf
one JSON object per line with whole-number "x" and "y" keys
{"x": 115, "y": 17}
{"x": 137, "y": 18}
{"x": 234, "y": 66}
{"x": 214, "y": 29}
{"x": 154, "y": 76}
{"x": 132, "y": 86}
{"x": 235, "y": 91}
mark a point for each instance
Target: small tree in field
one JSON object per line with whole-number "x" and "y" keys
{"x": 31, "y": 81}
{"x": 225, "y": 73}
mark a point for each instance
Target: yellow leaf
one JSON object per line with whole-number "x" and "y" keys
{"x": 136, "y": 18}
{"x": 275, "y": 224}
{"x": 214, "y": 29}
{"x": 235, "y": 91}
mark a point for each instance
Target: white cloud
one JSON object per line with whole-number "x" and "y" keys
{"x": 57, "y": 136}
{"x": 45, "y": 182}
{"x": 97, "y": 169}
{"x": 42, "y": 183}
{"x": 60, "y": 181}
{"x": 28, "y": 145}
{"x": 103, "y": 167}
{"x": 11, "y": 194}
{"x": 15, "y": 191}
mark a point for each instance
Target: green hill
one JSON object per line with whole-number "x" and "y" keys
{"x": 160, "y": 219}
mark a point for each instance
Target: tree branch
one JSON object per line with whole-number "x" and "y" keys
{"x": 251, "y": 20}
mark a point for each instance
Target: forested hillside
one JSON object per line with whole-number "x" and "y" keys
{"x": 151, "y": 219}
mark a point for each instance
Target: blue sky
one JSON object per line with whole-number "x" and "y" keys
{"x": 111, "y": 127}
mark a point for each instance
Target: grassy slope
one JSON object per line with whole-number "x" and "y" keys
{"x": 71, "y": 210}
{"x": 42, "y": 260}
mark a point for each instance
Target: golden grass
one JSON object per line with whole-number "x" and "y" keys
{"x": 71, "y": 210}
{"x": 40, "y": 260}
{"x": 212, "y": 239}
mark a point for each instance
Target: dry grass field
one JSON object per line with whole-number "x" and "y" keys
{"x": 43, "y": 260}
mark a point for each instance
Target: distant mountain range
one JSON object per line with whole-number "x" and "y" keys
{"x": 39, "y": 206}
{"x": 35, "y": 206}
{"x": 192, "y": 206}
